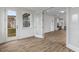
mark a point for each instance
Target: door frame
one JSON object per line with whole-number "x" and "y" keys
{"x": 6, "y": 14}
{"x": 67, "y": 25}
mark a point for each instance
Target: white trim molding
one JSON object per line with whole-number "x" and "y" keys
{"x": 74, "y": 48}
{"x": 39, "y": 36}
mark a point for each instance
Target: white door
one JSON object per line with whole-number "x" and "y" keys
{"x": 11, "y": 25}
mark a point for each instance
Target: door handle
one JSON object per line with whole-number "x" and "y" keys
{"x": 17, "y": 27}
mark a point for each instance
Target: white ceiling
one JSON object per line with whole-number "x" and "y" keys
{"x": 48, "y": 10}
{"x": 52, "y": 11}
{"x": 34, "y": 9}
{"x": 37, "y": 8}
{"x": 56, "y": 11}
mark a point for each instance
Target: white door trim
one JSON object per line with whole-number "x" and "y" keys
{"x": 9, "y": 38}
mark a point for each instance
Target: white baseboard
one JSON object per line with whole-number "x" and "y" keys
{"x": 48, "y": 32}
{"x": 21, "y": 37}
{"x": 39, "y": 36}
{"x": 72, "y": 47}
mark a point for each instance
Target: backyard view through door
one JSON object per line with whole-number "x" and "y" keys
{"x": 11, "y": 23}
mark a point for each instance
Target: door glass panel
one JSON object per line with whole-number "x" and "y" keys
{"x": 11, "y": 23}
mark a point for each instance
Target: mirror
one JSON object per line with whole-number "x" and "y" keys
{"x": 26, "y": 20}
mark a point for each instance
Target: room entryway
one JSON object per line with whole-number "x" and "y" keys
{"x": 11, "y": 24}
{"x": 55, "y": 25}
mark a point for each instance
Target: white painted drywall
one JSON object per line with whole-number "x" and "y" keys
{"x": 36, "y": 28}
{"x": 73, "y": 29}
{"x": 1, "y": 38}
{"x": 48, "y": 23}
{"x": 55, "y": 23}
{"x": 56, "y": 20}
{"x": 2, "y": 26}
{"x": 38, "y": 24}
{"x": 21, "y": 32}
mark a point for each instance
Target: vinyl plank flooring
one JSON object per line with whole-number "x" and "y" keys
{"x": 53, "y": 42}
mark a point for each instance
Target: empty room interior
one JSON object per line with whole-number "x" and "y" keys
{"x": 39, "y": 29}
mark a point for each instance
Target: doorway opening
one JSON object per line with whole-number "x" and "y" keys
{"x": 11, "y": 17}
{"x": 55, "y": 28}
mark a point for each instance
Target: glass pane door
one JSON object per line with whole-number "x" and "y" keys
{"x": 11, "y": 23}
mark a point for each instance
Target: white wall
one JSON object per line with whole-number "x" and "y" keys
{"x": 38, "y": 24}
{"x": 36, "y": 28}
{"x": 56, "y": 18}
{"x": 48, "y": 23}
{"x": 21, "y": 32}
{"x": 55, "y": 23}
{"x": 64, "y": 18}
{"x": 64, "y": 21}
{"x": 2, "y": 26}
{"x": 1, "y": 38}
{"x": 73, "y": 29}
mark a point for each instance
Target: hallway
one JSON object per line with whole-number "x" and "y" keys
{"x": 53, "y": 42}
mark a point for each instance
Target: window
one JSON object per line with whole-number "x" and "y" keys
{"x": 26, "y": 20}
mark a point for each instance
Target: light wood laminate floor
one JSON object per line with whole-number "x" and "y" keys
{"x": 53, "y": 42}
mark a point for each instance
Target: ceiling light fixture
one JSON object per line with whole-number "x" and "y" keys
{"x": 47, "y": 10}
{"x": 62, "y": 11}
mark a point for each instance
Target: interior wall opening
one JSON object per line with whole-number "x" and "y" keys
{"x": 55, "y": 25}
